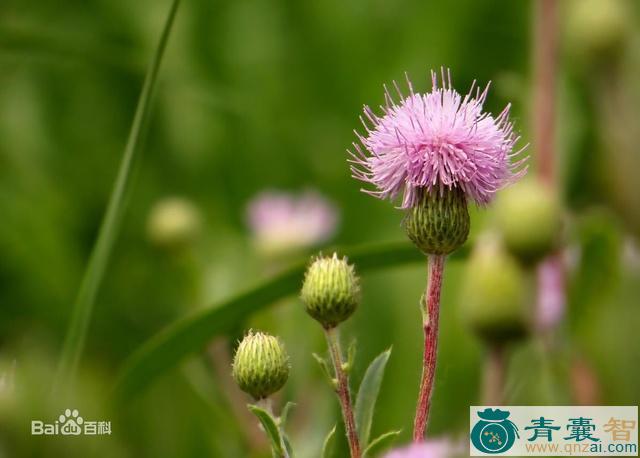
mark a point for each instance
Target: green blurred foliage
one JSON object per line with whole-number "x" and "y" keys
{"x": 259, "y": 94}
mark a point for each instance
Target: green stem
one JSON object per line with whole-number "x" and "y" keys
{"x": 342, "y": 389}
{"x": 112, "y": 220}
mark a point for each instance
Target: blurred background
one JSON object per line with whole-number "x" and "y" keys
{"x": 260, "y": 96}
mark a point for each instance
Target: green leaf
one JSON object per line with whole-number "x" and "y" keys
{"x": 380, "y": 443}
{"x": 191, "y": 334}
{"x": 351, "y": 355}
{"x": 285, "y": 414}
{"x": 368, "y": 394}
{"x": 287, "y": 445}
{"x": 329, "y": 444}
{"x": 270, "y": 426}
{"x": 324, "y": 365}
{"x": 111, "y": 221}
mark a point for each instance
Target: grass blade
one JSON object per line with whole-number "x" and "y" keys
{"x": 368, "y": 395}
{"x": 111, "y": 222}
{"x": 192, "y": 333}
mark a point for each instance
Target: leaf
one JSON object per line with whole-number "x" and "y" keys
{"x": 368, "y": 394}
{"x": 270, "y": 426}
{"x": 329, "y": 444}
{"x": 111, "y": 221}
{"x": 285, "y": 414}
{"x": 191, "y": 334}
{"x": 351, "y": 355}
{"x": 287, "y": 445}
{"x": 324, "y": 365}
{"x": 380, "y": 443}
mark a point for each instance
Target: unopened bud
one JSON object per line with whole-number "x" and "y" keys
{"x": 173, "y": 222}
{"x": 529, "y": 218}
{"x": 439, "y": 224}
{"x": 261, "y": 365}
{"x": 494, "y": 294}
{"x": 331, "y": 290}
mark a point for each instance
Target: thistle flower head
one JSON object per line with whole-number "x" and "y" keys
{"x": 260, "y": 365}
{"x": 282, "y": 222}
{"x": 434, "y": 142}
{"x": 331, "y": 290}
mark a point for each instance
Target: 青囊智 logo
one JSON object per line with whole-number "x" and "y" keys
{"x": 494, "y": 433}
{"x": 553, "y": 430}
{"x": 70, "y": 423}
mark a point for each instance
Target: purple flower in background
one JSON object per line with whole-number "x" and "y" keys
{"x": 282, "y": 221}
{"x": 551, "y": 293}
{"x": 429, "y": 142}
{"x": 434, "y": 448}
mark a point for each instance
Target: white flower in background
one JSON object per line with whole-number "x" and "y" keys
{"x": 283, "y": 222}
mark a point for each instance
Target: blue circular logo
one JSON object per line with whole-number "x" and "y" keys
{"x": 493, "y": 433}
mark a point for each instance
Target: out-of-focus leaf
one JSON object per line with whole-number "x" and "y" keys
{"x": 598, "y": 271}
{"x": 270, "y": 426}
{"x": 380, "y": 443}
{"x": 329, "y": 444}
{"x": 368, "y": 394}
{"x": 191, "y": 334}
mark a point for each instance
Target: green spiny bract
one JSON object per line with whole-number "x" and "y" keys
{"x": 261, "y": 365}
{"x": 494, "y": 292}
{"x": 330, "y": 291}
{"x": 439, "y": 224}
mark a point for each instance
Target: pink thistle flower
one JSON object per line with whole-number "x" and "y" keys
{"x": 551, "y": 302}
{"x": 437, "y": 140}
{"x": 283, "y": 222}
{"x": 433, "y": 448}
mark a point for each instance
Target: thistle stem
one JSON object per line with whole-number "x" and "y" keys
{"x": 494, "y": 376}
{"x": 545, "y": 68}
{"x": 342, "y": 390}
{"x": 430, "y": 313}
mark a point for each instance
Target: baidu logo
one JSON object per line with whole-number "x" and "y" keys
{"x": 70, "y": 423}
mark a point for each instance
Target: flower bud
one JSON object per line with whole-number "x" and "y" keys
{"x": 494, "y": 294}
{"x": 439, "y": 224}
{"x": 261, "y": 365}
{"x": 173, "y": 222}
{"x": 330, "y": 291}
{"x": 597, "y": 29}
{"x": 529, "y": 218}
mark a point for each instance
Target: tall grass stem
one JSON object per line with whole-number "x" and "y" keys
{"x": 112, "y": 220}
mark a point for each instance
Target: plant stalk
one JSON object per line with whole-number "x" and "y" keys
{"x": 544, "y": 80}
{"x": 342, "y": 389}
{"x": 430, "y": 313}
{"x": 111, "y": 222}
{"x": 495, "y": 371}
